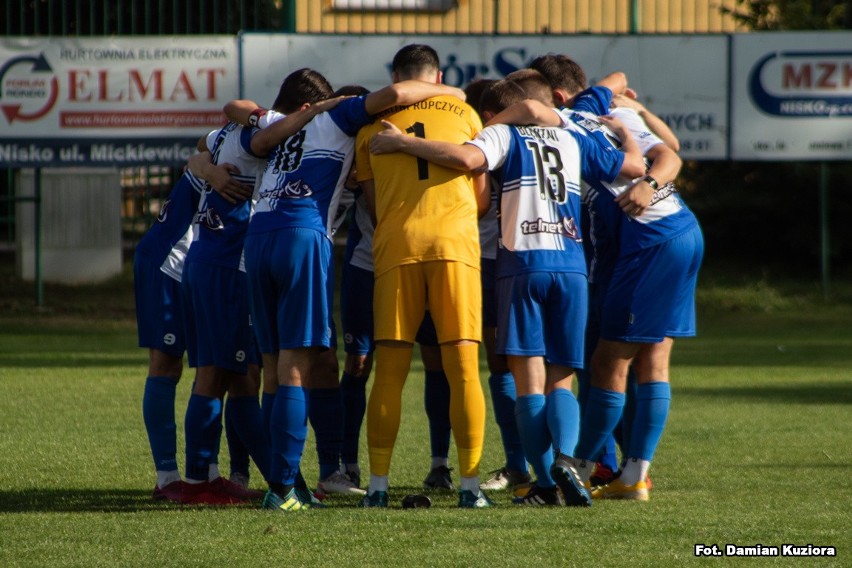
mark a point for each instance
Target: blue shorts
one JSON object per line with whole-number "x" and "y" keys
{"x": 159, "y": 308}
{"x": 218, "y": 326}
{"x": 651, "y": 295}
{"x": 488, "y": 267}
{"x": 288, "y": 288}
{"x": 356, "y": 309}
{"x": 543, "y": 314}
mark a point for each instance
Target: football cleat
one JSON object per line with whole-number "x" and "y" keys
{"x": 291, "y": 502}
{"x": 228, "y": 487}
{"x": 354, "y": 476}
{"x": 439, "y": 479}
{"x": 574, "y": 491}
{"x": 470, "y": 500}
{"x": 206, "y": 493}
{"x": 618, "y": 490}
{"x": 170, "y": 492}
{"x": 338, "y": 482}
{"x": 602, "y": 475}
{"x": 375, "y": 499}
{"x": 241, "y": 479}
{"x": 504, "y": 478}
{"x": 539, "y": 496}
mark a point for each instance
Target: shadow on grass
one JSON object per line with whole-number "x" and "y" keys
{"x": 803, "y": 393}
{"x": 36, "y": 363}
{"x": 138, "y": 500}
{"x": 81, "y": 500}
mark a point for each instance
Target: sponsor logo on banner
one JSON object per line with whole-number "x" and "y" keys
{"x": 803, "y": 83}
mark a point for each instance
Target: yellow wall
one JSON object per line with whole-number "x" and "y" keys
{"x": 523, "y": 17}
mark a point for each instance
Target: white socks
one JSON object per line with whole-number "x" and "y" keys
{"x": 634, "y": 471}
{"x": 377, "y": 483}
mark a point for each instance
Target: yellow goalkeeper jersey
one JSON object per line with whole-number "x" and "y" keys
{"x": 425, "y": 212}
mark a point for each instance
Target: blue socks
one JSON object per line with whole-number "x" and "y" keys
{"x": 246, "y": 424}
{"x": 563, "y": 420}
{"x": 238, "y": 451}
{"x": 203, "y": 427}
{"x": 158, "y": 412}
{"x": 601, "y": 413}
{"x": 289, "y": 429}
{"x": 502, "y": 387}
{"x": 652, "y": 409}
{"x": 531, "y": 417}
{"x": 325, "y": 409}
{"x": 353, "y": 390}
{"x": 436, "y": 398}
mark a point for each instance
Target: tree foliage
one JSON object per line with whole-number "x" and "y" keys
{"x": 789, "y": 15}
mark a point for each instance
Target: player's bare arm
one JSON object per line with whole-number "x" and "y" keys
{"x": 219, "y": 177}
{"x": 268, "y": 138}
{"x": 240, "y": 110}
{"x": 633, "y": 165}
{"x": 408, "y": 92}
{"x": 655, "y": 123}
{"x": 527, "y": 112}
{"x": 448, "y": 154}
{"x": 665, "y": 165}
{"x": 615, "y": 82}
{"x": 482, "y": 191}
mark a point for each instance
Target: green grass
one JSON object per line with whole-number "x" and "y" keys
{"x": 756, "y": 451}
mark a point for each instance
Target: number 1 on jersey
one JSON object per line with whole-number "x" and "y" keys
{"x": 422, "y": 165}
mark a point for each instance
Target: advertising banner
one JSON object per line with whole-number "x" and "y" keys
{"x": 792, "y": 96}
{"x": 684, "y": 79}
{"x": 111, "y": 101}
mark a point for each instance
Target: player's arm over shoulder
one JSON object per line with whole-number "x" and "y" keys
{"x": 448, "y": 154}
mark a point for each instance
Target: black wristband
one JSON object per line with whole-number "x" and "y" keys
{"x": 652, "y": 182}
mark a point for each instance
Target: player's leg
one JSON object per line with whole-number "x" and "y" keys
{"x": 397, "y": 317}
{"x": 436, "y": 400}
{"x": 158, "y": 411}
{"x": 287, "y": 278}
{"x": 501, "y": 385}
{"x": 159, "y": 317}
{"x": 242, "y": 408}
{"x": 326, "y": 414}
{"x": 606, "y": 468}
{"x": 674, "y": 267}
{"x": 531, "y": 415}
{"x": 653, "y": 398}
{"x": 455, "y": 302}
{"x": 356, "y": 315}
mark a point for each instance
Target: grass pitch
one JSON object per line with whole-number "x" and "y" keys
{"x": 756, "y": 451}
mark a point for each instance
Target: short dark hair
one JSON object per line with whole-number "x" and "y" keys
{"x": 351, "y": 91}
{"x": 534, "y": 85}
{"x": 300, "y": 87}
{"x": 501, "y": 94}
{"x": 473, "y": 92}
{"x": 415, "y": 59}
{"x": 561, "y": 72}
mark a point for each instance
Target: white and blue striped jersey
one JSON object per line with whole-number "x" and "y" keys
{"x": 219, "y": 227}
{"x": 167, "y": 241}
{"x": 304, "y": 175}
{"x": 538, "y": 171}
{"x": 612, "y": 232}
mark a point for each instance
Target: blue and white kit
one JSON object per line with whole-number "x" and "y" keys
{"x": 219, "y": 331}
{"x": 644, "y": 268}
{"x": 541, "y": 270}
